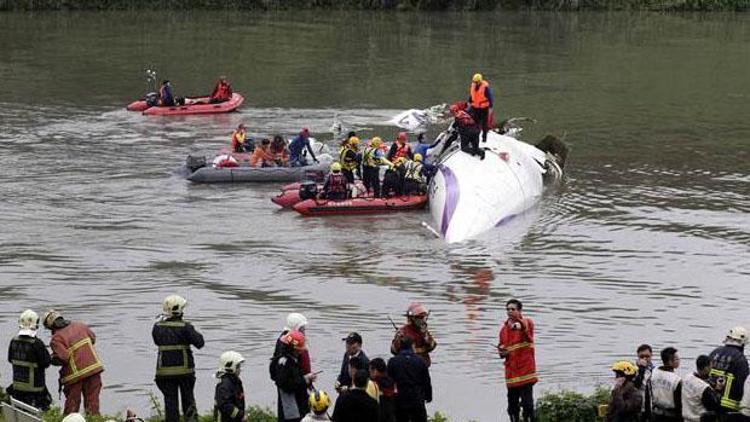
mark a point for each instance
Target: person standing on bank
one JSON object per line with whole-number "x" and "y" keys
{"x": 701, "y": 402}
{"x": 413, "y": 383}
{"x": 643, "y": 378}
{"x": 516, "y": 346}
{"x": 175, "y": 366}
{"x": 30, "y": 360}
{"x": 353, "y": 350}
{"x": 72, "y": 345}
{"x": 229, "y": 395}
{"x": 729, "y": 362}
{"x": 666, "y": 388}
{"x": 481, "y": 101}
{"x": 416, "y": 329}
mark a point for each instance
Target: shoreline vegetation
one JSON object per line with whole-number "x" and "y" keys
{"x": 396, "y": 5}
{"x": 558, "y": 406}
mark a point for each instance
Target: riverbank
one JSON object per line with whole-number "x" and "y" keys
{"x": 399, "y": 5}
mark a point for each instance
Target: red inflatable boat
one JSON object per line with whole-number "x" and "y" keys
{"x": 288, "y": 197}
{"x": 359, "y": 206}
{"x": 194, "y": 105}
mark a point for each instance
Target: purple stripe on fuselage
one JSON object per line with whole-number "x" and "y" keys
{"x": 451, "y": 197}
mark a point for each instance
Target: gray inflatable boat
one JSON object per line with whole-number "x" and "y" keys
{"x": 245, "y": 173}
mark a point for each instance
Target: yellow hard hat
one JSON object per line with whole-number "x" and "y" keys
{"x": 625, "y": 367}
{"x": 376, "y": 142}
{"x": 319, "y": 401}
{"x": 417, "y": 157}
{"x": 477, "y": 77}
{"x": 353, "y": 140}
{"x": 336, "y": 167}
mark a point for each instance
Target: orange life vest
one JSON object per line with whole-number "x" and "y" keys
{"x": 402, "y": 151}
{"x": 479, "y": 95}
{"x": 520, "y": 365}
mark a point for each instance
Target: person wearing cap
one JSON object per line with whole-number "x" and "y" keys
{"x": 666, "y": 388}
{"x": 291, "y": 382}
{"x": 229, "y": 394}
{"x": 240, "y": 143}
{"x": 416, "y": 329}
{"x": 400, "y": 148}
{"x": 222, "y": 91}
{"x": 625, "y": 404}
{"x": 295, "y": 322}
{"x": 350, "y": 159}
{"x": 353, "y": 351}
{"x": 730, "y": 364}
{"x": 516, "y": 347}
{"x": 481, "y": 101}
{"x": 72, "y": 345}
{"x": 296, "y": 148}
{"x": 175, "y": 364}
{"x": 30, "y": 360}
{"x": 413, "y": 383}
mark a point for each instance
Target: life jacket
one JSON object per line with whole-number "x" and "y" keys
{"x": 346, "y": 160}
{"x": 262, "y": 155}
{"x": 692, "y": 392}
{"x": 74, "y": 346}
{"x": 464, "y": 119}
{"x": 336, "y": 184}
{"x": 238, "y": 138}
{"x": 663, "y": 385}
{"x": 28, "y": 370}
{"x": 402, "y": 151}
{"x": 479, "y": 95}
{"x": 520, "y": 364}
{"x": 414, "y": 171}
{"x": 222, "y": 92}
{"x": 730, "y": 362}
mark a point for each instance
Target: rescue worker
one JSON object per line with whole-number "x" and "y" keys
{"x": 516, "y": 346}
{"x": 229, "y": 396}
{"x": 415, "y": 182}
{"x": 30, "y": 360}
{"x": 291, "y": 382}
{"x": 175, "y": 365}
{"x": 295, "y": 322}
{"x": 416, "y": 329}
{"x": 729, "y": 362}
{"x": 166, "y": 97}
{"x": 468, "y": 130}
{"x": 349, "y": 158}
{"x": 413, "y": 383}
{"x": 481, "y": 100}
{"x": 239, "y": 139}
{"x": 400, "y": 148}
{"x": 700, "y": 402}
{"x": 279, "y": 151}
{"x": 72, "y": 345}
{"x": 643, "y": 378}
{"x": 353, "y": 351}
{"x": 626, "y": 402}
{"x": 263, "y": 155}
{"x": 335, "y": 186}
{"x": 372, "y": 158}
{"x": 222, "y": 91}
{"x": 74, "y": 417}
{"x": 387, "y": 388}
{"x": 297, "y": 146}
{"x": 393, "y": 180}
{"x": 356, "y": 404}
{"x": 319, "y": 404}
{"x": 666, "y": 388}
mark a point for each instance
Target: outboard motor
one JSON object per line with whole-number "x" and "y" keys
{"x": 152, "y": 99}
{"x": 308, "y": 190}
{"x": 193, "y": 163}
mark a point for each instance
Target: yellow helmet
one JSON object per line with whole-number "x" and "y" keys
{"x": 418, "y": 157}
{"x": 376, "y": 142}
{"x": 353, "y": 140}
{"x": 477, "y": 77}
{"x": 319, "y": 401}
{"x": 625, "y": 367}
{"x": 336, "y": 167}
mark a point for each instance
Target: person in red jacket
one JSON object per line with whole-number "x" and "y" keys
{"x": 222, "y": 91}
{"x": 416, "y": 329}
{"x": 72, "y": 345}
{"x": 516, "y": 346}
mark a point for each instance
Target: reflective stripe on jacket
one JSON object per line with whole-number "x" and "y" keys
{"x": 29, "y": 358}
{"x": 423, "y": 342}
{"x": 520, "y": 364}
{"x": 73, "y": 345}
{"x": 174, "y": 337}
{"x": 348, "y": 159}
{"x": 730, "y": 362}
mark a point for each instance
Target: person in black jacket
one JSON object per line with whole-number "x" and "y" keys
{"x": 413, "y": 384}
{"x": 291, "y": 382}
{"x": 30, "y": 359}
{"x": 353, "y": 350}
{"x": 229, "y": 398}
{"x": 356, "y": 405}
{"x": 175, "y": 366}
{"x": 387, "y": 388}
{"x": 730, "y": 365}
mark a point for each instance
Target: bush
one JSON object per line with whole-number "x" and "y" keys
{"x": 570, "y": 406}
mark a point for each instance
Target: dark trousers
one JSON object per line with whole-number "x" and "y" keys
{"x": 411, "y": 414}
{"x": 371, "y": 179}
{"x": 173, "y": 388}
{"x": 521, "y": 397}
{"x": 470, "y": 141}
{"x": 663, "y": 418}
{"x": 40, "y": 400}
{"x": 89, "y": 388}
{"x": 482, "y": 117}
{"x": 413, "y": 187}
{"x": 349, "y": 174}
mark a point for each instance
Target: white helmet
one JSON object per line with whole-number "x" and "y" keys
{"x": 174, "y": 305}
{"x": 295, "y": 321}
{"x": 229, "y": 362}
{"x": 74, "y": 417}
{"x": 29, "y": 320}
{"x": 738, "y": 335}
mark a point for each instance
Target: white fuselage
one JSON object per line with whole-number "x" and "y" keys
{"x": 468, "y": 196}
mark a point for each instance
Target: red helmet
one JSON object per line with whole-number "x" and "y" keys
{"x": 295, "y": 339}
{"x": 305, "y": 132}
{"x": 416, "y": 309}
{"x": 458, "y": 106}
{"x": 401, "y": 136}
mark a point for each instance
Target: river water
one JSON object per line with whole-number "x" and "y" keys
{"x": 648, "y": 239}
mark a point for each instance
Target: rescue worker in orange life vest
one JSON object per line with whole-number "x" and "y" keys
{"x": 229, "y": 396}
{"x": 335, "y": 186}
{"x": 30, "y": 359}
{"x": 240, "y": 143}
{"x": 516, "y": 346}
{"x": 72, "y": 345}
{"x": 166, "y": 97}
{"x": 481, "y": 100}
{"x": 222, "y": 91}
{"x": 400, "y": 148}
{"x": 175, "y": 366}
{"x": 416, "y": 329}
